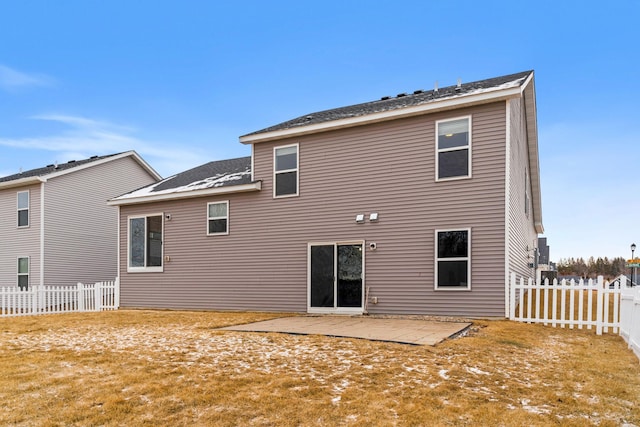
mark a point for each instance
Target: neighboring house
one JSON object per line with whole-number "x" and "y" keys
{"x": 545, "y": 268}
{"x": 632, "y": 280}
{"x": 55, "y": 225}
{"x": 419, "y": 203}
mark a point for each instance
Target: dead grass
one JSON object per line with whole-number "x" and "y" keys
{"x": 174, "y": 368}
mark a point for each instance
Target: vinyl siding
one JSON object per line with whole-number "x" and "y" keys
{"x": 19, "y": 242}
{"x": 522, "y": 235}
{"x": 80, "y": 229}
{"x": 387, "y": 168}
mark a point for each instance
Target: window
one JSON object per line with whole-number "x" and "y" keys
{"x": 23, "y": 209}
{"x": 454, "y": 149}
{"x": 285, "y": 171}
{"x": 145, "y": 243}
{"x": 453, "y": 267}
{"x": 23, "y": 273}
{"x": 218, "y": 218}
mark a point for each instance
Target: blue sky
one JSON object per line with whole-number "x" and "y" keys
{"x": 179, "y": 82}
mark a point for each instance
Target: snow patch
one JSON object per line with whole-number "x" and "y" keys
{"x": 543, "y": 409}
{"x": 212, "y": 182}
{"x": 476, "y": 371}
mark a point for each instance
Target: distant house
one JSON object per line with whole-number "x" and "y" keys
{"x": 418, "y": 203}
{"x": 631, "y": 280}
{"x": 546, "y": 270}
{"x": 55, "y": 226}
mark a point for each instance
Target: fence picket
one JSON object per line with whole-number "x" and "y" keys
{"x": 617, "y": 308}
{"x": 41, "y": 299}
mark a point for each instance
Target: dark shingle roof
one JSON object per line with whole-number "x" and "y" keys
{"x": 212, "y": 173}
{"x": 399, "y": 101}
{"x": 221, "y": 173}
{"x": 49, "y": 169}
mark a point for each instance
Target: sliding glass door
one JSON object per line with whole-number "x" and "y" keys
{"x": 336, "y": 277}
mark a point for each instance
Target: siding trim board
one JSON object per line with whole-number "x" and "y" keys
{"x": 42, "y": 228}
{"x": 529, "y": 97}
{"x": 507, "y": 203}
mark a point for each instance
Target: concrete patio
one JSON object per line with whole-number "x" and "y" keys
{"x": 406, "y": 331}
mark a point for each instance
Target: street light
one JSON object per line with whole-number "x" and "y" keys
{"x": 633, "y": 275}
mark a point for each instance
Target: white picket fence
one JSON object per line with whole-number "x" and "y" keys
{"x": 59, "y": 299}
{"x": 592, "y": 304}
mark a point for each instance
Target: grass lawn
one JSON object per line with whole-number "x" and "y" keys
{"x": 174, "y": 368}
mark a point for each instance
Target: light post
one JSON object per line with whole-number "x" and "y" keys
{"x": 633, "y": 275}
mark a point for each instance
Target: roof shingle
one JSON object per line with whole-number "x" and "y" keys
{"x": 221, "y": 173}
{"x": 54, "y": 168}
{"x": 401, "y": 101}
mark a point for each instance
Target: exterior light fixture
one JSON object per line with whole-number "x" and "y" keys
{"x": 360, "y": 218}
{"x": 373, "y": 217}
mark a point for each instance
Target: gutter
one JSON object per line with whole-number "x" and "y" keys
{"x": 22, "y": 182}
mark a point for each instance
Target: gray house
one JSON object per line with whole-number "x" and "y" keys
{"x": 418, "y": 203}
{"x": 55, "y": 226}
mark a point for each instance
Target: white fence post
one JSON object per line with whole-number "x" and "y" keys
{"x": 634, "y": 335}
{"x": 98, "y": 289}
{"x": 512, "y": 295}
{"x": 630, "y": 315}
{"x": 80, "y": 288}
{"x": 116, "y": 291}
{"x": 599, "y": 304}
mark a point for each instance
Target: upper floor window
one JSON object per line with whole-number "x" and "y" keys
{"x": 23, "y": 209}
{"x": 285, "y": 171}
{"x": 23, "y": 273}
{"x": 145, "y": 243}
{"x": 453, "y": 259}
{"x": 453, "y": 148}
{"x": 218, "y": 218}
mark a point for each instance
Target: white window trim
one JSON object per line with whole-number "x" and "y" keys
{"x": 438, "y": 150}
{"x": 28, "y": 209}
{"x": 209, "y": 218}
{"x": 467, "y": 258}
{"x": 28, "y": 273}
{"x": 297, "y": 170}
{"x": 145, "y": 269}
